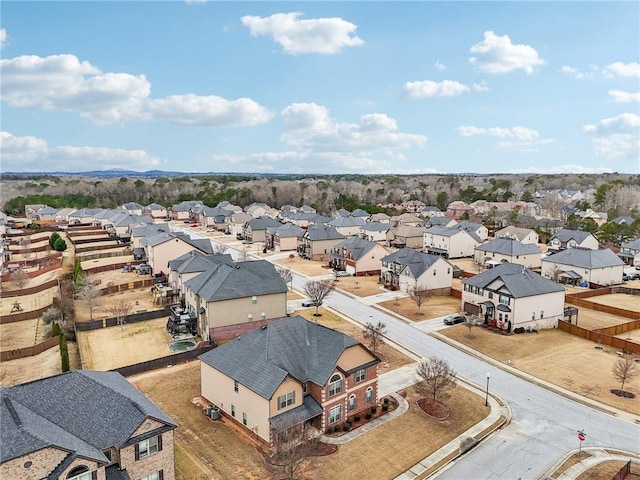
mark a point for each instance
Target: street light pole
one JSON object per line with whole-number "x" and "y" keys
{"x": 486, "y": 398}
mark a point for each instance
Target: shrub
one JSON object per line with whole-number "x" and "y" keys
{"x": 374, "y": 409}
{"x": 329, "y": 429}
{"x": 367, "y": 416}
{"x": 64, "y": 353}
{"x": 55, "y": 330}
{"x": 385, "y": 407}
{"x": 347, "y": 426}
{"x": 52, "y": 239}
{"x": 60, "y": 245}
{"x": 386, "y": 401}
{"x": 356, "y": 417}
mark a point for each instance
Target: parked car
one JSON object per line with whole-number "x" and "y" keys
{"x": 341, "y": 273}
{"x": 211, "y": 230}
{"x": 307, "y": 302}
{"x": 625, "y": 277}
{"x": 193, "y": 225}
{"x": 453, "y": 319}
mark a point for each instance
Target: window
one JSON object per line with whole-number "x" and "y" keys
{"x": 353, "y": 402}
{"x": 361, "y": 375}
{"x": 335, "y": 385}
{"x": 250, "y": 317}
{"x": 304, "y": 388}
{"x": 500, "y": 316}
{"x": 286, "y": 400}
{"x": 244, "y": 418}
{"x": 233, "y": 410}
{"x": 335, "y": 413}
{"x": 541, "y": 313}
{"x": 154, "y": 476}
{"x": 79, "y": 473}
{"x": 533, "y": 315}
{"x": 148, "y": 447}
{"x": 505, "y": 300}
{"x": 263, "y": 315}
{"x": 490, "y": 295}
{"x": 254, "y": 299}
{"x": 236, "y": 387}
{"x": 368, "y": 396}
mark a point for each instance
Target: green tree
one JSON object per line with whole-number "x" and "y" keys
{"x": 64, "y": 353}
{"x": 60, "y": 245}
{"x": 589, "y": 225}
{"x": 52, "y": 239}
{"x": 526, "y": 196}
{"x": 442, "y": 200}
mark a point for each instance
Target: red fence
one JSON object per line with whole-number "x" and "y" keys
{"x": 56, "y": 264}
{"x": 29, "y": 291}
{"x": 19, "y": 317}
{"x": 601, "y": 338}
{"x": 29, "y": 351}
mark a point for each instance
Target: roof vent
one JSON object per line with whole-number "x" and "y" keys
{"x": 238, "y": 267}
{"x": 263, "y": 327}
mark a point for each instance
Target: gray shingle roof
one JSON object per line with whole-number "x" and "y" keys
{"x": 262, "y": 223}
{"x": 202, "y": 244}
{"x": 416, "y": 262}
{"x": 81, "y": 411}
{"x": 237, "y": 280}
{"x": 375, "y": 227}
{"x": 632, "y": 245}
{"x": 287, "y": 230}
{"x": 520, "y": 281}
{"x": 437, "y": 221}
{"x": 585, "y": 258}
{"x": 261, "y": 359}
{"x": 347, "y": 222}
{"x": 149, "y": 230}
{"x": 508, "y": 246}
{"x": 358, "y": 247}
{"x": 564, "y": 235}
{"x": 309, "y": 409}
{"x": 319, "y": 232}
{"x": 196, "y": 261}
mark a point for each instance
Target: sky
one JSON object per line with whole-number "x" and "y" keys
{"x": 325, "y": 87}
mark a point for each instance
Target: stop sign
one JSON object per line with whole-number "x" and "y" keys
{"x": 581, "y": 436}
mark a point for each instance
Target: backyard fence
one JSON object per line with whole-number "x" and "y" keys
{"x": 103, "y": 238}
{"x": 601, "y": 338}
{"x": 113, "y": 266}
{"x": 30, "y": 290}
{"x": 96, "y": 256}
{"x": 163, "y": 362}
{"x": 57, "y": 263}
{"x": 94, "y": 248}
{"x": 621, "y": 312}
{"x": 113, "y": 321}
{"x": 29, "y": 351}
{"x": 123, "y": 287}
{"x": 18, "y": 317}
{"x": 619, "y": 329}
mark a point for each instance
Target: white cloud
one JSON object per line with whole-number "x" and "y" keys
{"x": 620, "y": 96}
{"x": 63, "y": 82}
{"x": 3, "y": 38}
{"x": 616, "y": 138}
{"x": 195, "y": 2}
{"x": 319, "y": 35}
{"x": 440, "y": 66}
{"x": 480, "y": 87}
{"x": 577, "y": 74}
{"x": 34, "y": 154}
{"x": 428, "y": 88}
{"x": 498, "y": 55}
{"x": 622, "y": 69}
{"x": 520, "y": 138}
{"x": 563, "y": 169}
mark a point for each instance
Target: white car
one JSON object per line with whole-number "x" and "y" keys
{"x": 341, "y": 273}
{"x": 307, "y": 302}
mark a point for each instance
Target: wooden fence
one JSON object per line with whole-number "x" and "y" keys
{"x": 22, "y": 251}
{"x": 123, "y": 287}
{"x": 83, "y": 241}
{"x": 619, "y": 329}
{"x": 96, "y": 248}
{"x": 113, "y": 266}
{"x": 19, "y": 317}
{"x": 29, "y": 351}
{"x": 29, "y": 291}
{"x": 164, "y": 361}
{"x": 96, "y": 256}
{"x": 614, "y": 342}
{"x": 57, "y": 263}
{"x": 112, "y": 321}
{"x": 621, "y": 312}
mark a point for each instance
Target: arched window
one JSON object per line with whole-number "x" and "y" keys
{"x": 335, "y": 385}
{"x": 80, "y": 472}
{"x": 368, "y": 396}
{"x": 353, "y": 402}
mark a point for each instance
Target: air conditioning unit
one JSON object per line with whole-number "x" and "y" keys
{"x": 209, "y": 409}
{"x": 215, "y": 413}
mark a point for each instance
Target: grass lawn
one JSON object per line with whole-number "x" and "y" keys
{"x": 305, "y": 267}
{"x": 360, "y": 286}
{"x": 557, "y": 357}
{"x": 39, "y": 366}
{"x": 436, "y": 306}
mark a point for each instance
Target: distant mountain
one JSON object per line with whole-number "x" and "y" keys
{"x": 115, "y": 172}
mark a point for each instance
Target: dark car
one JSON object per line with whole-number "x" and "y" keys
{"x": 453, "y": 319}
{"x": 310, "y": 303}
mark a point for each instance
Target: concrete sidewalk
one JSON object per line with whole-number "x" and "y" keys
{"x": 597, "y": 456}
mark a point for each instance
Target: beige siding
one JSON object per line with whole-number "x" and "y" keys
{"x": 289, "y": 385}
{"x": 170, "y": 250}
{"x": 353, "y": 357}
{"x": 234, "y": 311}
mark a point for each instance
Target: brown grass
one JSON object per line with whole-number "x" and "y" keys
{"x": 305, "y": 267}
{"x": 436, "y": 306}
{"x": 22, "y": 334}
{"x": 570, "y": 462}
{"x": 142, "y": 296}
{"x": 605, "y": 469}
{"x": 592, "y": 319}
{"x": 39, "y": 366}
{"x": 557, "y": 357}
{"x": 360, "y": 286}
{"x": 28, "y": 302}
{"x": 620, "y": 300}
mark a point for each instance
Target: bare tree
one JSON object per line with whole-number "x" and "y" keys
{"x": 375, "y": 333}
{"x": 433, "y": 377}
{"x": 219, "y": 248}
{"x": 89, "y": 293}
{"x": 287, "y": 276}
{"x": 244, "y": 254}
{"x": 293, "y": 447}
{"x": 120, "y": 310}
{"x": 419, "y": 294}
{"x": 470, "y": 320}
{"x": 19, "y": 278}
{"x": 318, "y": 290}
{"x": 625, "y": 369}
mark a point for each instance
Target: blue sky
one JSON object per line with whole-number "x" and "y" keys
{"x": 321, "y": 87}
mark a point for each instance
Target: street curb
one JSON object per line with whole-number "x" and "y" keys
{"x": 548, "y": 475}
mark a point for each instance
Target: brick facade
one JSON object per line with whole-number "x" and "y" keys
{"x": 161, "y": 460}
{"x": 42, "y": 462}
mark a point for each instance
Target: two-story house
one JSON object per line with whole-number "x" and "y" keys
{"x": 347, "y": 226}
{"x": 375, "y": 231}
{"x": 214, "y": 217}
{"x": 512, "y": 296}
{"x": 283, "y": 238}
{"x": 255, "y": 230}
{"x": 523, "y": 235}
{"x": 190, "y": 265}
{"x": 163, "y": 247}
{"x": 408, "y": 268}
{"x": 357, "y": 256}
{"x": 155, "y": 211}
{"x": 578, "y": 265}
{"x": 318, "y": 241}
{"x": 630, "y": 252}
{"x": 232, "y": 298}
{"x": 507, "y": 249}
{"x": 565, "y": 238}
{"x": 450, "y": 242}
{"x": 405, "y": 236}
{"x": 234, "y": 224}
{"x": 289, "y": 373}
{"x": 83, "y": 425}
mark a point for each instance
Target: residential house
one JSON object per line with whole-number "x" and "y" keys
{"x": 579, "y": 264}
{"x": 133, "y": 208}
{"x": 164, "y": 247}
{"x": 450, "y": 242}
{"x": 405, "y": 236}
{"x": 62, "y": 215}
{"x": 233, "y": 298}
{"x": 318, "y": 241}
{"x": 289, "y": 374}
{"x": 477, "y": 229}
{"x": 46, "y": 214}
{"x": 360, "y": 213}
{"x": 235, "y": 223}
{"x": 623, "y": 220}
{"x": 229, "y": 206}
{"x": 255, "y": 230}
{"x": 283, "y": 238}
{"x": 431, "y": 211}
{"x": 83, "y": 215}
{"x": 120, "y": 225}
{"x": 379, "y": 218}
{"x": 565, "y": 238}
{"x": 190, "y": 265}
{"x": 83, "y": 425}
{"x": 374, "y": 231}
{"x": 138, "y": 232}
{"x": 600, "y": 218}
{"x": 300, "y": 219}
{"x": 490, "y": 254}
{"x": 156, "y": 211}
{"x": 523, "y": 235}
{"x": 307, "y": 209}
{"x": 357, "y": 256}
{"x": 347, "y": 226}
{"x": 459, "y": 209}
{"x": 215, "y": 217}
{"x": 511, "y": 296}
{"x": 630, "y": 252}
{"x": 440, "y": 221}
{"x": 341, "y": 213}
{"x": 406, "y": 219}
{"x": 407, "y": 268}
{"x": 258, "y": 209}
{"x": 182, "y": 210}
{"x": 30, "y": 210}
{"x": 413, "y": 206}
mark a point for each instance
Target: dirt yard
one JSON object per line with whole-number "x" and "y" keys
{"x": 391, "y": 358}
{"x": 22, "y": 334}
{"x": 557, "y": 357}
{"x": 140, "y": 299}
{"x": 212, "y": 450}
{"x": 88, "y": 264}
{"x": 593, "y": 319}
{"x": 305, "y": 267}
{"x": 436, "y": 306}
{"x": 28, "y": 303}
{"x": 620, "y": 300}
{"x": 360, "y": 286}
{"x": 42, "y": 365}
{"x": 113, "y": 347}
